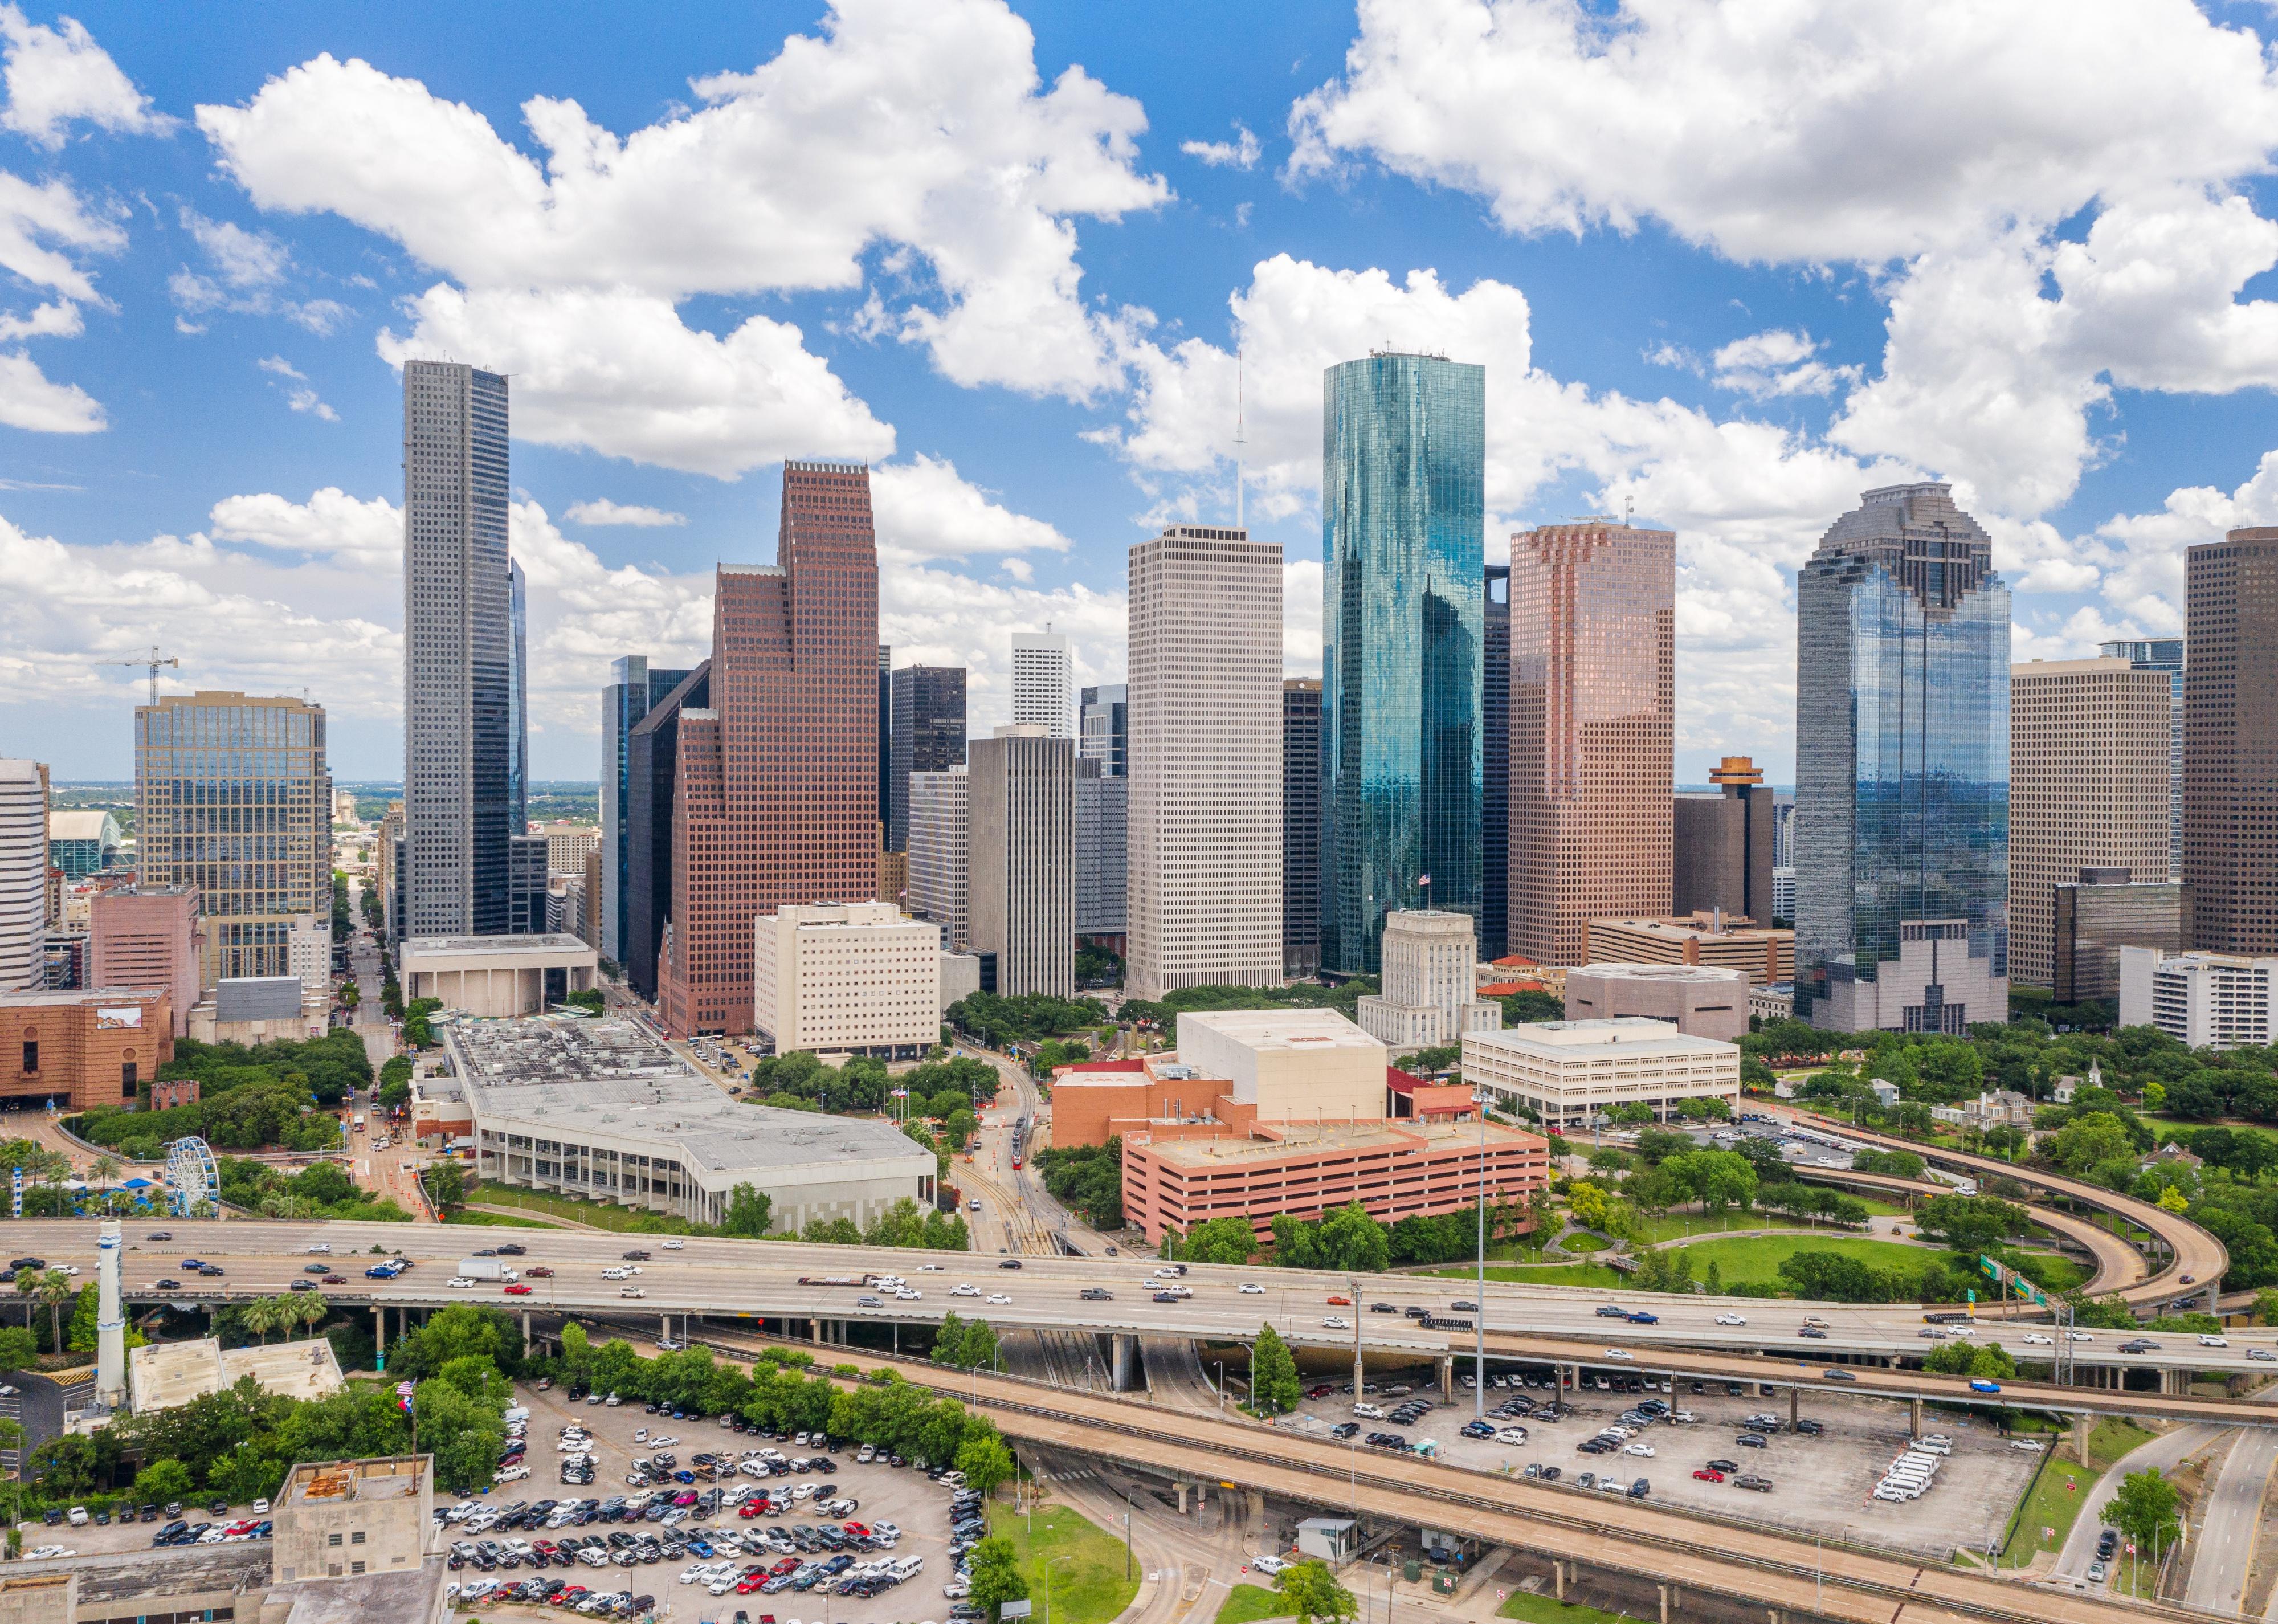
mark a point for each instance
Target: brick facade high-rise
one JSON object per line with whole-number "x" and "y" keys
{"x": 2230, "y": 742}
{"x": 776, "y": 797}
{"x": 1592, "y": 718}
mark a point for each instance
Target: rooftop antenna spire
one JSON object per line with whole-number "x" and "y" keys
{"x": 1240, "y": 440}
{"x": 1629, "y": 508}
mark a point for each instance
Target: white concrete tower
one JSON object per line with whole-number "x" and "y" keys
{"x": 110, "y": 1322}
{"x": 1040, "y": 682}
{"x": 23, "y": 875}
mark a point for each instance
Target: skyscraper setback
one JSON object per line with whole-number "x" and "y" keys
{"x": 1902, "y": 771}
{"x": 1593, "y": 720}
{"x": 1404, "y": 497}
{"x": 459, "y": 720}
{"x": 776, "y": 791}
{"x": 2230, "y": 742}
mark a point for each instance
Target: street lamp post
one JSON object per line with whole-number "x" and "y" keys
{"x": 1479, "y": 1316}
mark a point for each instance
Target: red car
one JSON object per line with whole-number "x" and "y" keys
{"x": 751, "y": 1508}
{"x": 1708, "y": 1474}
{"x": 789, "y": 1565}
{"x": 1340, "y": 1302}
{"x": 539, "y": 1272}
{"x": 517, "y": 1290}
{"x": 332, "y": 1280}
{"x": 857, "y": 1529}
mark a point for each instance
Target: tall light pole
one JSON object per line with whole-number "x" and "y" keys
{"x": 1479, "y": 1317}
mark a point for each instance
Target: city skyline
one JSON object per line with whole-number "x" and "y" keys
{"x": 192, "y": 416}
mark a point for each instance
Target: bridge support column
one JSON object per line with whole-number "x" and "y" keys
{"x": 1794, "y": 1406}
{"x": 1664, "y": 1589}
{"x": 2080, "y": 1438}
{"x": 1914, "y": 1416}
{"x": 1448, "y": 1377}
{"x": 1771, "y": 1615}
{"x": 1126, "y": 1359}
{"x": 526, "y": 1333}
{"x": 1558, "y": 1578}
{"x": 379, "y": 1330}
{"x": 1181, "y": 1488}
{"x": 1253, "y": 1508}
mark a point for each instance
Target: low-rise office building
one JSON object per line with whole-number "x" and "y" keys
{"x": 1701, "y": 1000}
{"x": 862, "y": 978}
{"x": 1565, "y": 1073}
{"x": 338, "y": 1518}
{"x": 2104, "y": 910}
{"x": 1431, "y": 987}
{"x": 1765, "y": 956}
{"x": 601, "y": 1109}
{"x": 79, "y": 1050}
{"x": 498, "y": 975}
{"x": 2209, "y": 1000}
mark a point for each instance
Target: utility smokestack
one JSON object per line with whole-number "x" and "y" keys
{"x": 109, "y": 1322}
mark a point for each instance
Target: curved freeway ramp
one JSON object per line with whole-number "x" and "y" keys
{"x": 2195, "y": 1259}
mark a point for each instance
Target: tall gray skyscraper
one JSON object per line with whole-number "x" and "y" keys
{"x": 1102, "y": 732}
{"x": 1300, "y": 824}
{"x": 458, "y": 652}
{"x": 1902, "y": 771}
{"x": 635, "y": 687}
{"x": 1102, "y": 862}
{"x": 1403, "y": 502}
{"x": 2164, "y": 654}
{"x": 929, "y": 729}
{"x": 517, "y": 702}
{"x": 23, "y": 875}
{"x": 1494, "y": 765}
{"x": 1020, "y": 822}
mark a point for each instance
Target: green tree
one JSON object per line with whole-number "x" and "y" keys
{"x": 2086, "y": 1141}
{"x": 1971, "y": 1223}
{"x": 463, "y": 1433}
{"x": 54, "y": 1289}
{"x": 996, "y": 1576}
{"x": 1312, "y": 1592}
{"x": 1274, "y": 1388}
{"x": 749, "y": 1212}
{"x": 163, "y": 1481}
{"x": 1352, "y": 1242}
{"x": 446, "y": 1183}
{"x": 2144, "y": 1511}
{"x": 1219, "y": 1240}
{"x": 985, "y": 1462}
{"x": 18, "y": 1348}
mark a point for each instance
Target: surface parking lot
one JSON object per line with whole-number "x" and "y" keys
{"x": 1822, "y": 1483}
{"x": 902, "y": 1496}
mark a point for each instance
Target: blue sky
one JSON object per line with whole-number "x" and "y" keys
{"x": 1730, "y": 262}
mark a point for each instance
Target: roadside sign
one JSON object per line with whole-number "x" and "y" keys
{"x": 1013, "y": 1609}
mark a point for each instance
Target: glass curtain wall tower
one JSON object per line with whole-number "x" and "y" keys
{"x": 1902, "y": 771}
{"x": 1404, "y": 497}
{"x": 635, "y": 688}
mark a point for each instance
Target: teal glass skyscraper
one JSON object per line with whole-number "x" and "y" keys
{"x": 1902, "y": 771}
{"x": 1403, "y": 499}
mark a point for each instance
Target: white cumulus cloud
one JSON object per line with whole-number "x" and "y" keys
{"x": 602, "y": 511}
{"x": 1240, "y": 153}
{"x": 56, "y": 76}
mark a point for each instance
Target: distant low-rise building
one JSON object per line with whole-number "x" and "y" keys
{"x": 1565, "y": 1073}
{"x": 338, "y": 1518}
{"x": 1431, "y": 994}
{"x": 82, "y": 843}
{"x": 2209, "y": 1000}
{"x": 497, "y": 976}
{"x": 1766, "y": 955}
{"x": 861, "y": 979}
{"x": 1703, "y": 999}
{"x": 79, "y": 1050}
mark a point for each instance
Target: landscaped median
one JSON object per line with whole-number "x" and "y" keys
{"x": 1549, "y": 1610}
{"x": 1247, "y": 1604}
{"x": 2045, "y": 1517}
{"x": 1088, "y": 1563}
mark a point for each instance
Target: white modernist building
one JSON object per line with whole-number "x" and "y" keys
{"x": 1040, "y": 682}
{"x": 601, "y": 1109}
{"x": 2209, "y": 1000}
{"x": 941, "y": 852}
{"x": 863, "y": 978}
{"x": 1293, "y": 1065}
{"x": 23, "y": 875}
{"x": 1431, "y": 962}
{"x": 498, "y": 975}
{"x": 1566, "y": 1072}
{"x": 1204, "y": 836}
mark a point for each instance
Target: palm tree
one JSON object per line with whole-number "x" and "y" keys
{"x": 28, "y": 1287}
{"x": 105, "y": 1168}
{"x": 259, "y": 1316}
{"x": 55, "y": 1289}
{"x": 313, "y": 1309}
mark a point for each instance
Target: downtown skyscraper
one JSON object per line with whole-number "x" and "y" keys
{"x": 2230, "y": 742}
{"x": 459, "y": 721}
{"x": 1403, "y": 498}
{"x": 1902, "y": 771}
{"x": 776, "y": 792}
{"x": 635, "y": 688}
{"x": 1592, "y": 619}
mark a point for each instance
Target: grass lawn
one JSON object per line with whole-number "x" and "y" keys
{"x": 1755, "y": 1259}
{"x": 1087, "y": 1585}
{"x": 1681, "y": 1226}
{"x": 1549, "y": 1273}
{"x": 597, "y": 1214}
{"x": 1549, "y": 1610}
{"x": 1584, "y": 1243}
{"x": 500, "y": 1220}
{"x": 2045, "y": 1518}
{"x": 1246, "y": 1604}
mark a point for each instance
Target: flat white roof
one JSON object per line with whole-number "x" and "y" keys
{"x": 1624, "y": 1035}
{"x": 1662, "y": 972}
{"x": 1297, "y": 1028}
{"x": 454, "y": 946}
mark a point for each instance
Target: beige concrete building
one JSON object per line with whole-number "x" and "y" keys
{"x": 1021, "y": 832}
{"x": 940, "y": 853}
{"x": 1286, "y": 1065}
{"x": 1698, "y": 999}
{"x": 497, "y": 974}
{"x": 338, "y": 1518}
{"x": 863, "y": 978}
{"x": 1592, "y": 718}
{"x": 566, "y": 845}
{"x": 1204, "y": 830}
{"x": 1431, "y": 962}
{"x": 163, "y": 1375}
{"x": 1568, "y": 1072}
{"x": 2089, "y": 788}
{"x": 1766, "y": 956}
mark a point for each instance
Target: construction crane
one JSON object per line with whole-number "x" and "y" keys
{"x": 155, "y": 661}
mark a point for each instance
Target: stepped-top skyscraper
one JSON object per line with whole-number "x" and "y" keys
{"x": 1403, "y": 499}
{"x": 775, "y": 790}
{"x": 1902, "y": 771}
{"x": 459, "y": 720}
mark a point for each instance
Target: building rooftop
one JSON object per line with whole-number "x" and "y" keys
{"x": 1694, "y": 925}
{"x": 30, "y": 999}
{"x": 1568, "y": 1040}
{"x": 408, "y": 1596}
{"x": 1718, "y": 974}
{"x": 385, "y": 1477}
{"x": 1295, "y": 1029}
{"x": 78, "y": 825}
{"x": 609, "y": 1076}
{"x": 502, "y": 944}
{"x": 1295, "y": 1139}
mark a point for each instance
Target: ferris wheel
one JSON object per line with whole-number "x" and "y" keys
{"x": 193, "y": 1181}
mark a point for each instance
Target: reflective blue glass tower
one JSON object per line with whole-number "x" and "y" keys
{"x": 1902, "y": 835}
{"x": 1403, "y": 498}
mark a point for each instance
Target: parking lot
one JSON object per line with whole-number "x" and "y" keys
{"x": 1821, "y": 1483}
{"x": 901, "y": 1495}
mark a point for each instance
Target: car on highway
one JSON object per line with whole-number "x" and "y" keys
{"x": 1101, "y": 1294}
{"x": 457, "y": 1281}
{"x": 2261, "y": 1355}
{"x": 1637, "y": 1317}
{"x": 539, "y": 1271}
{"x": 1836, "y": 1373}
{"x": 1977, "y": 1384}
{"x": 2034, "y": 1339}
{"x": 998, "y": 1300}
{"x": 1729, "y": 1318}
{"x": 631, "y": 1291}
{"x": 1166, "y": 1297}
{"x": 1009, "y": 1263}
{"x": 159, "y": 1235}
{"x": 316, "y": 1268}
{"x": 1336, "y": 1301}
{"x": 175, "y": 1285}
{"x": 2140, "y": 1344}
{"x": 1811, "y": 1331}
{"x": 304, "y": 1285}
{"x": 1334, "y": 1321}
{"x": 1250, "y": 1288}
{"x": 1619, "y": 1353}
{"x": 517, "y": 1290}
{"x": 1607, "y": 1311}
{"x": 2214, "y": 1342}
{"x": 963, "y": 1288}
